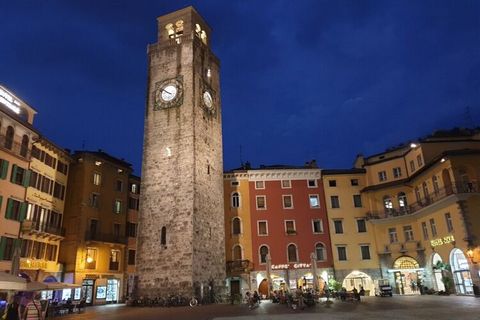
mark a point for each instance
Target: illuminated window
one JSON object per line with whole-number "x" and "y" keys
{"x": 117, "y": 207}
{"x": 397, "y": 172}
{"x": 387, "y": 203}
{"x": 97, "y": 178}
{"x": 114, "y": 260}
{"x": 382, "y": 176}
{"x": 91, "y": 258}
{"x": 408, "y": 232}
{"x": 314, "y": 201}
{"x": 402, "y": 201}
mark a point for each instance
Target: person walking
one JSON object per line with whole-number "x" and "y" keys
{"x": 33, "y": 309}
{"x": 12, "y": 312}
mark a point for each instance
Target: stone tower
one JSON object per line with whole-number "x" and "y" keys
{"x": 181, "y": 220}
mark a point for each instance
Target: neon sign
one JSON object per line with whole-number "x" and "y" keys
{"x": 441, "y": 241}
{"x": 294, "y": 266}
{"x": 9, "y": 101}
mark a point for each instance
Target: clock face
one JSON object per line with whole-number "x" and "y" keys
{"x": 169, "y": 93}
{"x": 207, "y": 100}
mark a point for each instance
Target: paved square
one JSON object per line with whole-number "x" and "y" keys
{"x": 398, "y": 307}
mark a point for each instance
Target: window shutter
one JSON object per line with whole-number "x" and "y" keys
{"x": 26, "y": 178}
{"x": 1, "y": 198}
{"x": 3, "y": 169}
{"x": 3, "y": 243}
{"x": 23, "y": 211}
{"x": 8, "y": 212}
{"x": 17, "y": 243}
{"x": 14, "y": 173}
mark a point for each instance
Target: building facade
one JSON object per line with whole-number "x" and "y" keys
{"x": 290, "y": 232}
{"x": 353, "y": 245}
{"x": 95, "y": 220}
{"x": 181, "y": 242}
{"x": 42, "y": 230}
{"x": 16, "y": 137}
{"x": 132, "y": 230}
{"x": 423, "y": 205}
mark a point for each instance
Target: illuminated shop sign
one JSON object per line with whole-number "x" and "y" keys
{"x": 11, "y": 103}
{"x": 291, "y": 266}
{"x": 442, "y": 241}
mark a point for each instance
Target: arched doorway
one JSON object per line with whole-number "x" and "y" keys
{"x": 359, "y": 279}
{"x": 408, "y": 275}
{"x": 437, "y": 272}
{"x": 263, "y": 287}
{"x": 461, "y": 272}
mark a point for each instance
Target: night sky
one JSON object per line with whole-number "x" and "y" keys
{"x": 301, "y": 80}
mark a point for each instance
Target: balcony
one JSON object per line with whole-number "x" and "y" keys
{"x": 105, "y": 237}
{"x": 14, "y": 147}
{"x": 43, "y": 230}
{"x": 427, "y": 202}
{"x": 238, "y": 267}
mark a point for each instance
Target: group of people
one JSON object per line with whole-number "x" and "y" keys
{"x": 355, "y": 294}
{"x": 24, "y": 307}
{"x": 253, "y": 299}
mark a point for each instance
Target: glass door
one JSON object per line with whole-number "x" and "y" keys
{"x": 112, "y": 290}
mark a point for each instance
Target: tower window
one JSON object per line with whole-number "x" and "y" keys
{"x": 163, "y": 236}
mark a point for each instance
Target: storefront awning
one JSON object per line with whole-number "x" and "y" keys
{"x": 61, "y": 285}
{"x": 11, "y": 282}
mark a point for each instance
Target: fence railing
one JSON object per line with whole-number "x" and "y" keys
{"x": 431, "y": 198}
{"x": 239, "y": 266}
{"x": 31, "y": 225}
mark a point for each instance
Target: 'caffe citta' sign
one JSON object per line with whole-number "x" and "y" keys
{"x": 442, "y": 241}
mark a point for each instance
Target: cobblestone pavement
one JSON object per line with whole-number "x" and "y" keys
{"x": 396, "y": 308}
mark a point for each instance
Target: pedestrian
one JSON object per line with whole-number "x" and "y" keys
{"x": 33, "y": 309}
{"x": 13, "y": 310}
{"x": 356, "y": 296}
{"x": 299, "y": 294}
{"x": 362, "y": 291}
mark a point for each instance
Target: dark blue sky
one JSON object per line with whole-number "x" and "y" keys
{"x": 300, "y": 79}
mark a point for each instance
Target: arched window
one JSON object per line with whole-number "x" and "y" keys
{"x": 387, "y": 203}
{"x": 163, "y": 236}
{"x": 236, "y": 226}
{"x": 24, "y": 147}
{"x": 320, "y": 252}
{"x": 402, "y": 201}
{"x": 436, "y": 188}
{"x": 235, "y": 200}
{"x": 263, "y": 254}
{"x": 170, "y": 30}
{"x": 179, "y": 28}
{"x": 9, "y": 138}
{"x": 237, "y": 252}
{"x": 292, "y": 253}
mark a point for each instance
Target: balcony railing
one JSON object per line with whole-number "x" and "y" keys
{"x": 42, "y": 228}
{"x": 14, "y": 147}
{"x": 105, "y": 237}
{"x": 239, "y": 266}
{"x": 436, "y": 196}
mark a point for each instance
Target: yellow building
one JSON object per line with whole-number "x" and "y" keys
{"x": 354, "y": 249}
{"x": 238, "y": 237}
{"x": 132, "y": 224}
{"x": 42, "y": 229}
{"x": 424, "y": 205}
{"x": 93, "y": 250}
{"x": 16, "y": 137}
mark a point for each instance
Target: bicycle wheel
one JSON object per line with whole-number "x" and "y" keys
{"x": 193, "y": 302}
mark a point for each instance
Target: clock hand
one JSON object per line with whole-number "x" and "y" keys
{"x": 167, "y": 91}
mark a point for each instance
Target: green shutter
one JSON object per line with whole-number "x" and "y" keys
{"x": 14, "y": 173}
{"x": 3, "y": 243}
{"x": 3, "y": 169}
{"x": 1, "y": 198}
{"x": 17, "y": 243}
{"x": 26, "y": 178}
{"x": 23, "y": 211}
{"x": 8, "y": 212}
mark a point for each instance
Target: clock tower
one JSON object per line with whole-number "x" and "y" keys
{"x": 181, "y": 238}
